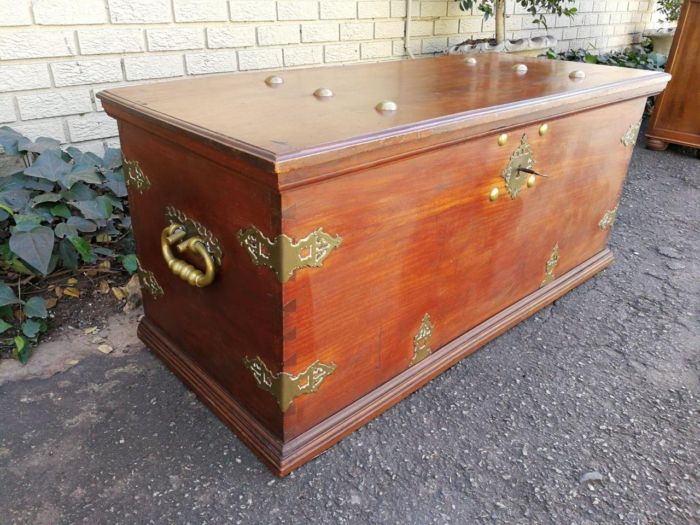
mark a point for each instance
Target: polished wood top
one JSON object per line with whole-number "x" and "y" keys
{"x": 289, "y": 122}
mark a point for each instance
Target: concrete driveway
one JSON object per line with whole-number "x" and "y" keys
{"x": 586, "y": 413}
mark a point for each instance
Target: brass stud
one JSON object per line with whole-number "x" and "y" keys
{"x": 531, "y": 181}
{"x": 323, "y": 93}
{"x": 386, "y": 105}
{"x": 502, "y": 139}
{"x": 471, "y": 61}
{"x": 577, "y": 75}
{"x": 274, "y": 81}
{"x": 543, "y": 129}
{"x": 520, "y": 69}
{"x": 495, "y": 192}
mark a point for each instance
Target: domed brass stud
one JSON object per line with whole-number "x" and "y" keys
{"x": 577, "y": 75}
{"x": 274, "y": 81}
{"x": 386, "y": 105}
{"x": 323, "y": 93}
{"x": 471, "y": 61}
{"x": 543, "y": 129}
{"x": 531, "y": 181}
{"x": 520, "y": 69}
{"x": 502, "y": 139}
{"x": 493, "y": 195}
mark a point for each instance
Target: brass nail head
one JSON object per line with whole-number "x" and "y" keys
{"x": 543, "y": 129}
{"x": 471, "y": 61}
{"x": 502, "y": 139}
{"x": 494, "y": 194}
{"x": 531, "y": 181}
{"x": 520, "y": 69}
{"x": 577, "y": 75}
{"x": 386, "y": 105}
{"x": 274, "y": 81}
{"x": 323, "y": 93}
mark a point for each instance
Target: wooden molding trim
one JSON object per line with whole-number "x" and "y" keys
{"x": 282, "y": 458}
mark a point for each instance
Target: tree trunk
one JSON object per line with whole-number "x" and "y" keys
{"x": 500, "y": 21}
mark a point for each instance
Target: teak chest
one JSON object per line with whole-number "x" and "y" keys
{"x": 317, "y": 244}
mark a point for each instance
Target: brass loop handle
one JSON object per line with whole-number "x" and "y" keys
{"x": 174, "y": 235}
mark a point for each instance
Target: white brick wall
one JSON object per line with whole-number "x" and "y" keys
{"x": 56, "y": 54}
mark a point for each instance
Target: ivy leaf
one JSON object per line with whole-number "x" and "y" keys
{"x": 4, "y": 326}
{"x": 68, "y": 255}
{"x": 22, "y": 350}
{"x": 98, "y": 208}
{"x": 25, "y": 222}
{"x": 114, "y": 180}
{"x": 7, "y": 296}
{"x": 80, "y": 157}
{"x": 9, "y": 139}
{"x": 40, "y": 145}
{"x": 15, "y": 199}
{"x": 83, "y": 248}
{"x": 112, "y": 158}
{"x": 82, "y": 172}
{"x": 63, "y": 229}
{"x": 36, "y": 307}
{"x": 31, "y": 328}
{"x": 50, "y": 166}
{"x": 45, "y": 197}
{"x": 83, "y": 225}
{"x": 60, "y": 210}
{"x": 34, "y": 247}
{"x": 79, "y": 192}
{"x": 130, "y": 263}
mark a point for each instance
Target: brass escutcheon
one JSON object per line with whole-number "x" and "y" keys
{"x": 283, "y": 255}
{"x": 421, "y": 341}
{"x": 549, "y": 267}
{"x": 133, "y": 175}
{"x": 286, "y": 387}
{"x": 520, "y": 163}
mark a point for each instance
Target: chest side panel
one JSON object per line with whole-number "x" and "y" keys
{"x": 422, "y": 236}
{"x": 237, "y": 315}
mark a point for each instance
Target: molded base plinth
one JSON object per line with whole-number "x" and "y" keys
{"x": 281, "y": 457}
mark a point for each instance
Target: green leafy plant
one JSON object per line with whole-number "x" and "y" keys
{"x": 630, "y": 57}
{"x": 63, "y": 209}
{"x": 537, "y": 8}
{"x": 669, "y": 9}
{"x": 21, "y": 322}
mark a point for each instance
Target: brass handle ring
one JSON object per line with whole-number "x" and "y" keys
{"x": 174, "y": 235}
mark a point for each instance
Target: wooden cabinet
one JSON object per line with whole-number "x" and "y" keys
{"x": 676, "y": 116}
{"x": 358, "y": 249}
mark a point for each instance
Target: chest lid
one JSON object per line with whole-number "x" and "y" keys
{"x": 292, "y": 119}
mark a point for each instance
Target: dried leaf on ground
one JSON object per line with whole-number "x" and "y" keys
{"x": 118, "y": 293}
{"x": 90, "y": 330}
{"x": 133, "y": 293}
{"x": 51, "y": 302}
{"x": 72, "y": 281}
{"x": 105, "y": 349}
{"x": 105, "y": 265}
{"x": 71, "y": 292}
{"x": 104, "y": 287}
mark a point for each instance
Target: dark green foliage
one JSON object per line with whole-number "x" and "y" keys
{"x": 670, "y": 9}
{"x": 65, "y": 209}
{"x": 537, "y": 8}
{"x": 631, "y": 57}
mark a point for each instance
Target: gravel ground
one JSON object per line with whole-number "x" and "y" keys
{"x": 586, "y": 413}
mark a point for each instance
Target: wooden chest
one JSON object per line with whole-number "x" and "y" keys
{"x": 317, "y": 244}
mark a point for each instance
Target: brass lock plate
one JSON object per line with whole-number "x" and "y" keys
{"x": 513, "y": 174}
{"x": 195, "y": 229}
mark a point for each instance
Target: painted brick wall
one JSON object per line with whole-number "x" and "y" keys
{"x": 56, "y": 54}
